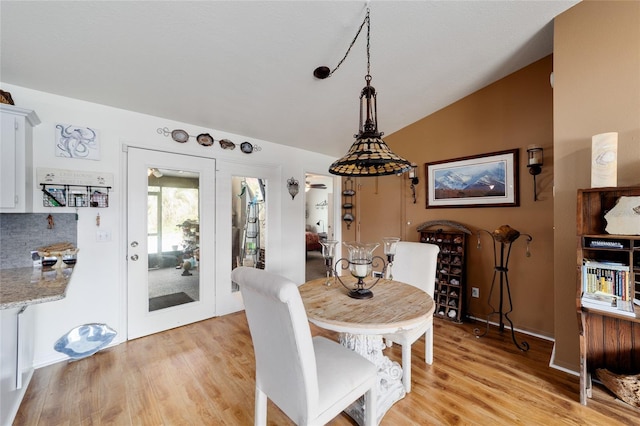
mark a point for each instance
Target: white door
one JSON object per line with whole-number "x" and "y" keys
{"x": 171, "y": 259}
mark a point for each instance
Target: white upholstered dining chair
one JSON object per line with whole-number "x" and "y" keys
{"x": 311, "y": 379}
{"x": 415, "y": 264}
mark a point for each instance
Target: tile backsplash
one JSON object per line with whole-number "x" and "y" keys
{"x": 21, "y": 233}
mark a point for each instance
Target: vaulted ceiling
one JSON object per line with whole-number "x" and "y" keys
{"x": 246, "y": 67}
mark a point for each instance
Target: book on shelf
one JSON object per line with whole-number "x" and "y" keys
{"x": 612, "y": 278}
{"x": 608, "y": 303}
{"x": 600, "y": 298}
{"x": 606, "y": 264}
{"x": 611, "y": 244}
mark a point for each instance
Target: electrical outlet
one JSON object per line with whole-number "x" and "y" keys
{"x": 475, "y": 292}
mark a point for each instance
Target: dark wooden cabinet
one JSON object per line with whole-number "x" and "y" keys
{"x": 449, "y": 294}
{"x": 607, "y": 339}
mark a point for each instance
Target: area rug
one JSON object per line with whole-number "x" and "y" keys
{"x": 168, "y": 300}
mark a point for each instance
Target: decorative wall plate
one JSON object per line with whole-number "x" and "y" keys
{"x": 85, "y": 340}
{"x": 205, "y": 139}
{"x": 246, "y": 147}
{"x": 227, "y": 144}
{"x": 180, "y": 136}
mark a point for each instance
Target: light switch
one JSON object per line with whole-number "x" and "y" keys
{"x": 103, "y": 236}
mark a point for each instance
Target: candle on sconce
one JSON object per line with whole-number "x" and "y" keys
{"x": 535, "y": 155}
{"x": 534, "y": 163}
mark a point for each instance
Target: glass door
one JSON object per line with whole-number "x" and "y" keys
{"x": 170, "y": 240}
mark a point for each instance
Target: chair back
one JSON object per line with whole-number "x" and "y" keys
{"x": 416, "y": 264}
{"x": 285, "y": 359}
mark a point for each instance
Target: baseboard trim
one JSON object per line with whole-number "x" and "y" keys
{"x": 552, "y": 363}
{"x": 527, "y": 332}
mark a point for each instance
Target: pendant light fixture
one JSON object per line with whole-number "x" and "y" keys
{"x": 369, "y": 155}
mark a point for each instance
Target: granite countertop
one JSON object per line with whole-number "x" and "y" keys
{"x": 28, "y": 286}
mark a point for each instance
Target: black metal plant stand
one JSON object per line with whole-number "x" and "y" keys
{"x": 501, "y": 270}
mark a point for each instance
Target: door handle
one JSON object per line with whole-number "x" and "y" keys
{"x": 134, "y": 257}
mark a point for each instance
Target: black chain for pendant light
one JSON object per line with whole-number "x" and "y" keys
{"x": 369, "y": 155}
{"x": 324, "y": 72}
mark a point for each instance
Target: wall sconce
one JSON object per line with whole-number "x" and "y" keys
{"x": 534, "y": 163}
{"x": 413, "y": 176}
{"x": 293, "y": 187}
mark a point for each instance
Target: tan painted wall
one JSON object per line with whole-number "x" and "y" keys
{"x": 597, "y": 90}
{"x": 512, "y": 113}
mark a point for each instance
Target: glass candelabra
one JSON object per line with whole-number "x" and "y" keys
{"x": 328, "y": 253}
{"x": 389, "y": 246}
{"x": 360, "y": 263}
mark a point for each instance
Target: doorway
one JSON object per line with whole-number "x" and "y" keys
{"x": 170, "y": 221}
{"x": 249, "y": 231}
{"x": 319, "y": 222}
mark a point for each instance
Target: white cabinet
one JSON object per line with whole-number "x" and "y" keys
{"x": 16, "y": 161}
{"x": 16, "y": 359}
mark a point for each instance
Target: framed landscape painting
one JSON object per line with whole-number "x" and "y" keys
{"x": 485, "y": 180}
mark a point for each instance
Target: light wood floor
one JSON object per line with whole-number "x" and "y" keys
{"x": 202, "y": 374}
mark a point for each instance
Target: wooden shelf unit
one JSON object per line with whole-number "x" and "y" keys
{"x": 449, "y": 294}
{"x": 607, "y": 339}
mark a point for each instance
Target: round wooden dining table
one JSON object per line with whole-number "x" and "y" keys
{"x": 395, "y": 306}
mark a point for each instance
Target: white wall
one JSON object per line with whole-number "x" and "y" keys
{"x": 97, "y": 292}
{"x": 316, "y": 212}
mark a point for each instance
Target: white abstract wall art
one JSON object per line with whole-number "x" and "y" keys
{"x": 624, "y": 217}
{"x": 77, "y": 142}
{"x": 604, "y": 160}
